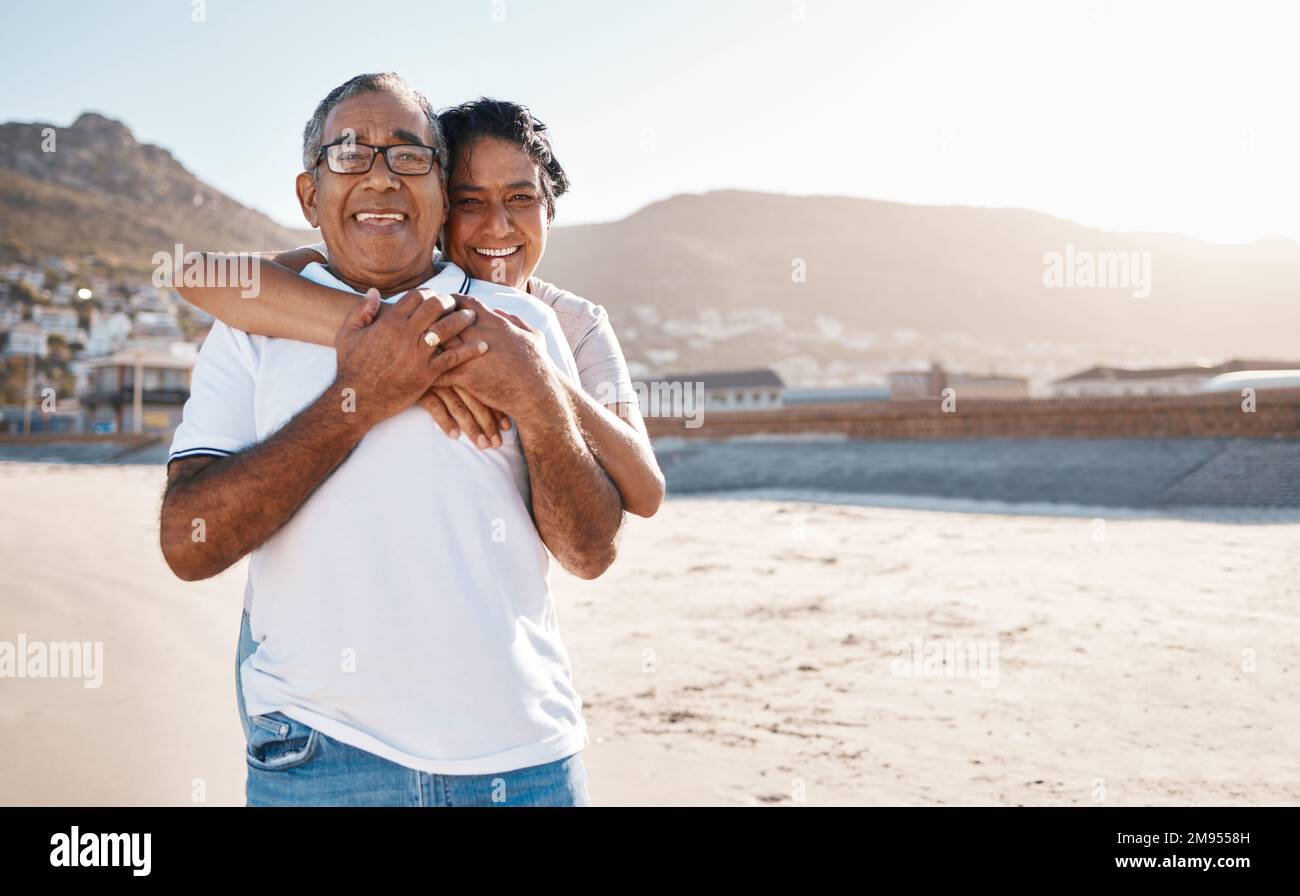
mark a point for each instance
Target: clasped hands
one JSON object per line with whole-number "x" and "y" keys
{"x": 479, "y": 368}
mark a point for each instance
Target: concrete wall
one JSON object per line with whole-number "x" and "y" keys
{"x": 1218, "y": 415}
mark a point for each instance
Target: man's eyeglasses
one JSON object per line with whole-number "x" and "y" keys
{"x": 350, "y": 157}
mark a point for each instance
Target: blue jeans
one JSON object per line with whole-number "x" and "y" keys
{"x": 293, "y": 764}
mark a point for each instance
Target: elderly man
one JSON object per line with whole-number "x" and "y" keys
{"x": 401, "y": 639}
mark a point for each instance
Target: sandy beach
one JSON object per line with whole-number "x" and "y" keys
{"x": 739, "y": 652}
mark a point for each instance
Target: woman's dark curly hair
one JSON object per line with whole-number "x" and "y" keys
{"x": 513, "y": 122}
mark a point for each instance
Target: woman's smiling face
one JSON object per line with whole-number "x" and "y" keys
{"x": 498, "y": 221}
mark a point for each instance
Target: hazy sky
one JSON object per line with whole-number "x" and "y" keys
{"x": 1176, "y": 116}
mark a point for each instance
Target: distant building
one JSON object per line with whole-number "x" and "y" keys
{"x": 911, "y": 384}
{"x": 1116, "y": 381}
{"x": 152, "y": 298}
{"x": 905, "y": 385}
{"x": 737, "y": 390}
{"x": 109, "y": 391}
{"x": 110, "y": 301}
{"x": 10, "y": 317}
{"x": 57, "y": 322}
{"x": 837, "y": 395}
{"x": 14, "y": 419}
{"x": 989, "y": 388}
{"x": 108, "y": 333}
{"x": 27, "y": 339}
{"x": 157, "y": 325}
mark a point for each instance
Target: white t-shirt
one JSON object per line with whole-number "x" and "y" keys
{"x": 406, "y": 608}
{"x": 602, "y": 369}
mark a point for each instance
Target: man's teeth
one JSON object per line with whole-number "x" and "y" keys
{"x": 498, "y": 253}
{"x": 380, "y": 216}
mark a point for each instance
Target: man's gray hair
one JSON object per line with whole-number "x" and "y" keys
{"x": 381, "y": 82}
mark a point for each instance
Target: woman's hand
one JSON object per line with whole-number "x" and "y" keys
{"x": 456, "y": 411}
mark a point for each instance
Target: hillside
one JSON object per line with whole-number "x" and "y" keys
{"x": 103, "y": 193}
{"x": 890, "y": 284}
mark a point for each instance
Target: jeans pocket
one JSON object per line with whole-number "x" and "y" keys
{"x": 277, "y": 742}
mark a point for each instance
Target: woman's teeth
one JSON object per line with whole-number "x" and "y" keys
{"x": 498, "y": 253}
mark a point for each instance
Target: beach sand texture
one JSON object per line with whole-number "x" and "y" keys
{"x": 739, "y": 652}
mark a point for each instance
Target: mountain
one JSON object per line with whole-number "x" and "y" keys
{"x": 100, "y": 192}
{"x": 888, "y": 285}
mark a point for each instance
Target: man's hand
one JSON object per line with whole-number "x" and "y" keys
{"x": 385, "y": 357}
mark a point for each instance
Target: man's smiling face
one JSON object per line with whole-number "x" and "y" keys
{"x": 380, "y": 227}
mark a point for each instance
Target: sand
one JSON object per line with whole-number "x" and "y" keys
{"x": 740, "y": 652}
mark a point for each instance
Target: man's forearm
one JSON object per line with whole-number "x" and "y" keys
{"x": 238, "y": 502}
{"x": 577, "y": 509}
